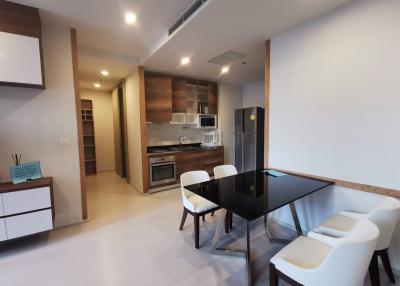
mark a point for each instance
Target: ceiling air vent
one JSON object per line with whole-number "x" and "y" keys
{"x": 227, "y": 58}
{"x": 189, "y": 12}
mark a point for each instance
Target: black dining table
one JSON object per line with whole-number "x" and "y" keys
{"x": 252, "y": 195}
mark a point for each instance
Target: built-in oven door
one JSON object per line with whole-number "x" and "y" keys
{"x": 162, "y": 173}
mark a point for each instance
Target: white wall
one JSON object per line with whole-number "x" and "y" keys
{"x": 254, "y": 94}
{"x": 229, "y": 99}
{"x": 103, "y": 128}
{"x": 133, "y": 129}
{"x": 334, "y": 102}
{"x": 32, "y": 121}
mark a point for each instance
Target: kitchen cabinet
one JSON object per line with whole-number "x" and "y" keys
{"x": 21, "y": 61}
{"x": 179, "y": 95}
{"x": 199, "y": 160}
{"x": 212, "y": 98}
{"x": 158, "y": 97}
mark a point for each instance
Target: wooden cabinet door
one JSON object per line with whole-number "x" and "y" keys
{"x": 178, "y": 95}
{"x": 199, "y": 160}
{"x": 212, "y": 99}
{"x": 158, "y": 94}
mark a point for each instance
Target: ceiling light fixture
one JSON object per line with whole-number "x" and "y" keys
{"x": 97, "y": 85}
{"x": 225, "y": 70}
{"x": 185, "y": 61}
{"x": 130, "y": 18}
{"x": 104, "y": 72}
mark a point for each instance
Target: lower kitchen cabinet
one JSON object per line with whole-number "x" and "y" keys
{"x": 199, "y": 160}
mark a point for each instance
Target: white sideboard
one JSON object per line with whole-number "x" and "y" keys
{"x": 26, "y": 209}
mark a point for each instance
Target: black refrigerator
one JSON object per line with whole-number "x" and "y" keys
{"x": 249, "y": 139}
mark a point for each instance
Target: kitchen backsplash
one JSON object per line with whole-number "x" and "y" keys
{"x": 168, "y": 134}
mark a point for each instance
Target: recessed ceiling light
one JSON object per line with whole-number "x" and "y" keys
{"x": 97, "y": 85}
{"x": 225, "y": 70}
{"x": 130, "y": 18}
{"x": 185, "y": 61}
{"x": 104, "y": 72}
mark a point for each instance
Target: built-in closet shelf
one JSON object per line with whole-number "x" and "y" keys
{"x": 89, "y": 142}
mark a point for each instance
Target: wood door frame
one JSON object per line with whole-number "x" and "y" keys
{"x": 143, "y": 130}
{"x": 75, "y": 71}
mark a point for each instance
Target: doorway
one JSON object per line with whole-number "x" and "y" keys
{"x": 122, "y": 170}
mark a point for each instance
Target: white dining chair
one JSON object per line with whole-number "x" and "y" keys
{"x": 385, "y": 215}
{"x": 322, "y": 260}
{"x": 224, "y": 171}
{"x": 194, "y": 204}
{"x": 221, "y": 172}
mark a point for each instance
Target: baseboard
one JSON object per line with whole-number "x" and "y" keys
{"x": 71, "y": 224}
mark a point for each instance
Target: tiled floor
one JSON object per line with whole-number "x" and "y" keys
{"x": 133, "y": 240}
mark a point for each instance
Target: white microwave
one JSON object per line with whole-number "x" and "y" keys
{"x": 206, "y": 121}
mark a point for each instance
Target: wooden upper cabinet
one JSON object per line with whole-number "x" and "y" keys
{"x": 179, "y": 102}
{"x": 212, "y": 98}
{"x": 158, "y": 95}
{"x": 21, "y": 61}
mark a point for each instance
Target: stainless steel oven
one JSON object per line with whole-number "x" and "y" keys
{"x": 162, "y": 170}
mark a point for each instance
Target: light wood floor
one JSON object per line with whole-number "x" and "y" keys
{"x": 134, "y": 240}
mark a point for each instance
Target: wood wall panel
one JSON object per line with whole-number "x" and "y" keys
{"x": 267, "y": 97}
{"x": 143, "y": 130}
{"x": 75, "y": 69}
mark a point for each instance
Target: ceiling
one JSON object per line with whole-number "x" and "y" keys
{"x": 105, "y": 41}
{"x": 239, "y": 25}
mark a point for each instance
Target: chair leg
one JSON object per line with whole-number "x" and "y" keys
{"x": 386, "y": 264}
{"x": 374, "y": 271}
{"x": 196, "y": 230}
{"x": 265, "y": 219}
{"x": 230, "y": 220}
{"x": 184, "y": 215}
{"x": 203, "y": 217}
{"x": 273, "y": 277}
{"x": 212, "y": 214}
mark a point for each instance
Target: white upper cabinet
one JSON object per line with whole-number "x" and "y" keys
{"x": 20, "y": 59}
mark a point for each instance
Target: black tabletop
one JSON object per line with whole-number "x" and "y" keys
{"x": 253, "y": 194}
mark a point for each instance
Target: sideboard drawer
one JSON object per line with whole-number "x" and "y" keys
{"x": 26, "y": 224}
{"x": 26, "y": 200}
{"x": 3, "y": 234}
{"x": 1, "y": 205}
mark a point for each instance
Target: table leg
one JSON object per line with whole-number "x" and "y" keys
{"x": 297, "y": 225}
{"x": 296, "y": 219}
{"x": 232, "y": 252}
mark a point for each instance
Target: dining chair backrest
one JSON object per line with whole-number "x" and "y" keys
{"x": 191, "y": 178}
{"x": 224, "y": 171}
{"x": 385, "y": 216}
{"x": 348, "y": 260}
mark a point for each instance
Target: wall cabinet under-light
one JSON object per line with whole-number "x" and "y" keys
{"x": 21, "y": 59}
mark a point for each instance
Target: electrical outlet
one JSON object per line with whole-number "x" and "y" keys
{"x": 64, "y": 142}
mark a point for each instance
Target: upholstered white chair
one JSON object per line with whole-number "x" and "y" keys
{"x": 194, "y": 204}
{"x": 220, "y": 172}
{"x": 224, "y": 171}
{"x": 385, "y": 215}
{"x": 322, "y": 260}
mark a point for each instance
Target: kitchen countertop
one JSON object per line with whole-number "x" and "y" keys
{"x": 169, "y": 149}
